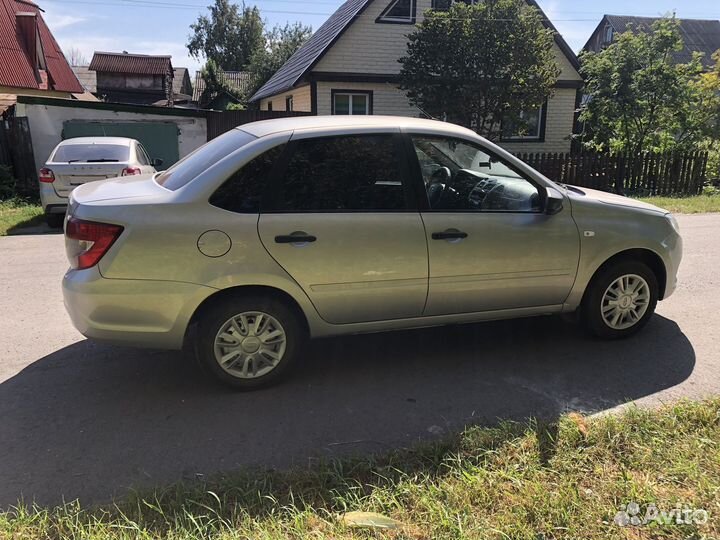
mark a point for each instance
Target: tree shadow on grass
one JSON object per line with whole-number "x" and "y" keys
{"x": 93, "y": 421}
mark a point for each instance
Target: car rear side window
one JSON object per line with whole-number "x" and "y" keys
{"x": 188, "y": 168}
{"x": 91, "y": 153}
{"x": 347, "y": 173}
{"x": 242, "y": 192}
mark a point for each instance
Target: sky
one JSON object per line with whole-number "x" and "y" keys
{"x": 163, "y": 26}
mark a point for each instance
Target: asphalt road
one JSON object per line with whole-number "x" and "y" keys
{"x": 90, "y": 421}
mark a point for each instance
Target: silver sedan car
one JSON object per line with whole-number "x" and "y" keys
{"x": 299, "y": 228}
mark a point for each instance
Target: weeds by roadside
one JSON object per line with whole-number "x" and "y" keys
{"x": 17, "y": 213}
{"x": 687, "y": 205}
{"x": 577, "y": 478}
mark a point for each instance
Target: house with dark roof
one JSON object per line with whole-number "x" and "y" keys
{"x": 138, "y": 79}
{"x": 239, "y": 80}
{"x": 698, "y": 35}
{"x": 31, "y": 61}
{"x": 182, "y": 85}
{"x": 350, "y": 66}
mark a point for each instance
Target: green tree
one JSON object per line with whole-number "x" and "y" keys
{"x": 639, "y": 99}
{"x": 280, "y": 44}
{"x": 229, "y": 36}
{"x": 480, "y": 65}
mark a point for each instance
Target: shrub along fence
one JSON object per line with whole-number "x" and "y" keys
{"x": 644, "y": 174}
{"x": 16, "y": 154}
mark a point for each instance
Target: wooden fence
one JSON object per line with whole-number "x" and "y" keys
{"x": 645, "y": 174}
{"x": 220, "y": 122}
{"x": 16, "y": 152}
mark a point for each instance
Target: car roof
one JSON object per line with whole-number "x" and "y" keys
{"x": 268, "y": 127}
{"x": 121, "y": 141}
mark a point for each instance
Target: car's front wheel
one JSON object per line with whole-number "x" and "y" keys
{"x": 620, "y": 300}
{"x": 249, "y": 341}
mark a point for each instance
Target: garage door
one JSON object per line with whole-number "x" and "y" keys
{"x": 159, "y": 138}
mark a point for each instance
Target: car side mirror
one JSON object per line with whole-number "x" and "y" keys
{"x": 554, "y": 202}
{"x": 156, "y": 162}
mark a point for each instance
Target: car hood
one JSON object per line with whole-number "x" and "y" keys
{"x": 581, "y": 193}
{"x": 125, "y": 187}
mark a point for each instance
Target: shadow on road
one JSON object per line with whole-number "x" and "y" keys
{"x": 91, "y": 420}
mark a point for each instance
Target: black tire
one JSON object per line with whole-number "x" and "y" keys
{"x": 219, "y": 313}
{"x": 55, "y": 221}
{"x": 591, "y": 310}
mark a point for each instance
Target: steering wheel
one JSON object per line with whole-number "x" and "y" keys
{"x": 435, "y": 192}
{"x": 438, "y": 185}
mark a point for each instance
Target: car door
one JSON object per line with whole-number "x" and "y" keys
{"x": 342, "y": 222}
{"x": 490, "y": 245}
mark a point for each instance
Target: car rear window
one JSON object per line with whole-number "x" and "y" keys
{"x": 203, "y": 158}
{"x": 70, "y": 153}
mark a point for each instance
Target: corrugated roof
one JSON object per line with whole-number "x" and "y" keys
{"x": 136, "y": 64}
{"x": 87, "y": 78}
{"x": 16, "y": 69}
{"x": 699, "y": 35}
{"x": 238, "y": 79}
{"x": 310, "y": 53}
{"x": 307, "y": 55}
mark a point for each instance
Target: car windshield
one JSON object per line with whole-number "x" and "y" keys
{"x": 201, "y": 159}
{"x": 91, "y": 153}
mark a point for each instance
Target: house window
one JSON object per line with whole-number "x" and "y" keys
{"x": 398, "y": 12}
{"x": 289, "y": 104}
{"x": 608, "y": 36}
{"x": 345, "y": 102}
{"x": 531, "y": 127}
{"x": 269, "y": 105}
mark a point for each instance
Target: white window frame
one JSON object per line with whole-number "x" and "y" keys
{"x": 410, "y": 19}
{"x": 531, "y": 138}
{"x": 352, "y": 96}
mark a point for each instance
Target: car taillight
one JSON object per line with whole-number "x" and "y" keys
{"x": 131, "y": 171}
{"x": 46, "y": 175}
{"x": 87, "y": 241}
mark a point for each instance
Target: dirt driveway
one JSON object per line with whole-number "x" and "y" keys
{"x": 81, "y": 419}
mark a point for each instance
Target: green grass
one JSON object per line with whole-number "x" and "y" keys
{"x": 564, "y": 480}
{"x": 17, "y": 213}
{"x": 686, "y": 205}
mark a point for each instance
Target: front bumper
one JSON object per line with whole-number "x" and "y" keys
{"x": 131, "y": 312}
{"x": 673, "y": 245}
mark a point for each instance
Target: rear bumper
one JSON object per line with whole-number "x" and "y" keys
{"x": 131, "y": 312}
{"x": 52, "y": 203}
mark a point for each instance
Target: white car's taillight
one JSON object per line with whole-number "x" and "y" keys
{"x": 131, "y": 171}
{"x": 87, "y": 241}
{"x": 46, "y": 175}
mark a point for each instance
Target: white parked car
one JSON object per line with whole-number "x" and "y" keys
{"x": 75, "y": 162}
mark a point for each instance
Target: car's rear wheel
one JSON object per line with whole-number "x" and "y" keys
{"x": 55, "y": 221}
{"x": 620, "y": 300}
{"x": 249, "y": 341}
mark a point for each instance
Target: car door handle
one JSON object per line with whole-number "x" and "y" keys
{"x": 449, "y": 235}
{"x": 295, "y": 238}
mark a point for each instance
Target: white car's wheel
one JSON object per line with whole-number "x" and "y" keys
{"x": 249, "y": 341}
{"x": 620, "y": 300}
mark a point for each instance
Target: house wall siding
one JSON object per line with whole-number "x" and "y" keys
{"x": 387, "y": 98}
{"x": 302, "y": 101}
{"x": 369, "y": 47}
{"x": 390, "y": 100}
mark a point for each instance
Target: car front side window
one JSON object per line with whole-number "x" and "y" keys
{"x": 463, "y": 177}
